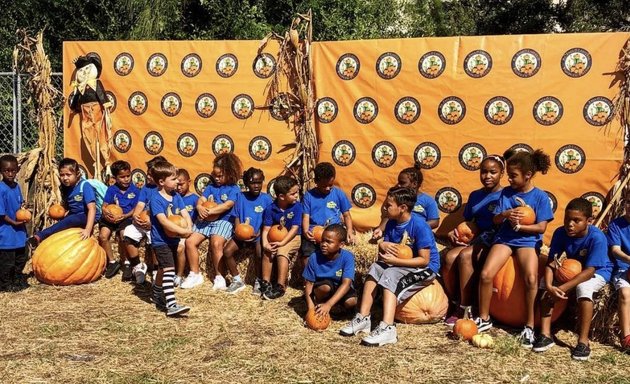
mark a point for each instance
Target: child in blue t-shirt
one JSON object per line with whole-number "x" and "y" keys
{"x": 329, "y": 274}
{"x": 124, "y": 194}
{"x": 190, "y": 201}
{"x": 285, "y": 212}
{"x": 583, "y": 242}
{"x": 12, "y": 231}
{"x": 400, "y": 278}
{"x": 514, "y": 238}
{"x": 249, "y": 207}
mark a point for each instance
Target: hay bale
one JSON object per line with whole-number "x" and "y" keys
{"x": 605, "y": 324}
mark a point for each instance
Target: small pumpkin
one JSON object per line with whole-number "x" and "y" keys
{"x": 318, "y": 231}
{"x": 56, "y": 211}
{"x": 428, "y": 305}
{"x": 482, "y": 340}
{"x": 316, "y": 322}
{"x": 529, "y": 216}
{"x": 277, "y": 232}
{"x": 209, "y": 204}
{"x": 465, "y": 328}
{"x": 244, "y": 231}
{"x": 114, "y": 210}
{"x": 144, "y": 216}
{"x": 23, "y": 214}
{"x": 566, "y": 269}
{"x": 466, "y": 231}
{"x": 404, "y": 251}
{"x": 176, "y": 219}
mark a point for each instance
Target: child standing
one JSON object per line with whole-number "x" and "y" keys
{"x": 514, "y": 238}
{"x": 190, "y": 200}
{"x": 399, "y": 278}
{"x": 285, "y": 211}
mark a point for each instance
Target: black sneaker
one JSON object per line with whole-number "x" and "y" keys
{"x": 542, "y": 343}
{"x": 127, "y": 275}
{"x": 265, "y": 286}
{"x": 112, "y": 269}
{"x": 581, "y": 352}
{"x": 483, "y": 325}
{"x": 274, "y": 293}
{"x": 32, "y": 243}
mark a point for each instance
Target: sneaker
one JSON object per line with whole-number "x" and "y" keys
{"x": 264, "y": 287}
{"x": 159, "y": 301}
{"x": 381, "y": 335}
{"x": 127, "y": 275}
{"x": 192, "y": 280}
{"x": 357, "y": 324}
{"x": 32, "y": 243}
{"x": 235, "y": 287}
{"x": 154, "y": 274}
{"x": 456, "y": 315}
{"x": 483, "y": 325}
{"x": 112, "y": 269}
{"x": 256, "y": 289}
{"x": 527, "y": 337}
{"x": 542, "y": 343}
{"x": 274, "y": 292}
{"x": 581, "y": 352}
{"x": 219, "y": 283}
{"x": 177, "y": 281}
{"x": 139, "y": 272}
{"x": 176, "y": 310}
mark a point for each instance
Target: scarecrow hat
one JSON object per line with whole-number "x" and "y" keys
{"x": 90, "y": 58}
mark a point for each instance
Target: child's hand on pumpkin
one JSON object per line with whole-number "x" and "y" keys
{"x": 515, "y": 217}
{"x": 85, "y": 234}
{"x": 322, "y": 309}
{"x": 377, "y": 234}
{"x": 452, "y": 236}
{"x": 309, "y": 235}
{"x": 387, "y": 247}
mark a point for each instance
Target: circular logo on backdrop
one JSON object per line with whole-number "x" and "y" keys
{"x": 326, "y": 109}
{"x": 407, "y": 110}
{"x": 522, "y": 147}
{"x": 241, "y": 184}
{"x": 431, "y": 64}
{"x": 597, "y": 200}
{"x": 222, "y": 144}
{"x": 348, "y": 66}
{"x": 187, "y": 144}
{"x": 548, "y": 110}
{"x": 427, "y": 154}
{"x": 264, "y": 65}
{"x": 281, "y": 107}
{"x": 138, "y": 103}
{"x": 598, "y": 111}
{"x": 138, "y": 178}
{"x": 384, "y": 154}
{"x": 570, "y": 158}
{"x": 448, "y": 199}
{"x": 526, "y": 63}
{"x": 343, "y": 153}
{"x": 157, "y": 64}
{"x": 260, "y": 148}
{"x": 206, "y": 105}
{"x": 171, "y": 104}
{"x": 242, "y": 106}
{"x": 83, "y": 172}
{"x": 153, "y": 143}
{"x": 576, "y": 62}
{"x": 122, "y": 141}
{"x": 552, "y": 201}
{"x": 471, "y": 155}
{"x": 227, "y": 65}
{"x": 452, "y": 110}
{"x": 363, "y": 195}
{"x": 388, "y": 65}
{"x": 201, "y": 182}
{"x": 270, "y": 190}
{"x": 123, "y": 64}
{"x": 191, "y": 65}
{"x": 112, "y": 100}
{"x": 478, "y": 63}
{"x": 499, "y": 110}
{"x": 365, "y": 110}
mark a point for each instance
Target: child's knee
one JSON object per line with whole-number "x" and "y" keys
{"x": 350, "y": 303}
{"x": 624, "y": 296}
{"x": 485, "y": 276}
{"x": 531, "y": 281}
{"x": 103, "y": 238}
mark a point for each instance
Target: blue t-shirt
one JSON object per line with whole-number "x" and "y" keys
{"x": 11, "y": 237}
{"x": 419, "y": 235}
{"x": 426, "y": 207}
{"x": 319, "y": 267}
{"x": 325, "y": 209}
{"x": 146, "y": 192}
{"x": 538, "y": 200}
{"x": 619, "y": 234}
{"x": 127, "y": 199}
{"x": 190, "y": 202}
{"x": 292, "y": 216}
{"x": 78, "y": 197}
{"x": 157, "y": 205}
{"x": 221, "y": 195}
{"x": 252, "y": 207}
{"x": 480, "y": 207}
{"x": 590, "y": 250}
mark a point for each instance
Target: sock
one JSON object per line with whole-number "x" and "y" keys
{"x": 237, "y": 278}
{"x": 112, "y": 261}
{"x": 169, "y": 291}
{"x": 157, "y": 291}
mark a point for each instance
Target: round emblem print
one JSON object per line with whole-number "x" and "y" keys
{"x": 478, "y": 63}
{"x": 227, "y": 65}
{"x": 191, "y": 65}
{"x": 348, "y": 66}
{"x": 264, "y": 65}
{"x": 388, "y": 65}
{"x": 241, "y": 184}
{"x": 432, "y": 64}
{"x": 206, "y": 105}
{"x": 281, "y": 107}
{"x": 548, "y": 110}
{"x": 157, "y": 64}
{"x": 526, "y": 63}
{"x": 452, "y": 110}
{"x": 499, "y": 110}
{"x": 598, "y": 111}
{"x": 471, "y": 155}
{"x": 363, "y": 195}
{"x": 552, "y": 201}
{"x": 343, "y": 153}
{"x": 427, "y": 154}
{"x": 138, "y": 178}
{"x": 122, "y": 141}
{"x": 201, "y": 182}
{"x": 407, "y": 110}
{"x": 597, "y": 200}
{"x": 123, "y": 64}
{"x": 384, "y": 154}
{"x": 222, "y": 144}
{"x": 112, "y": 100}
{"x": 187, "y": 144}
{"x": 242, "y": 106}
{"x": 326, "y": 110}
{"x": 153, "y": 143}
{"x": 576, "y": 62}
{"x": 270, "y": 190}
{"x": 83, "y": 172}
{"x": 138, "y": 103}
{"x": 260, "y": 148}
{"x": 570, "y": 158}
{"x": 448, "y": 199}
{"x": 522, "y": 147}
{"x": 365, "y": 110}
{"x": 171, "y": 104}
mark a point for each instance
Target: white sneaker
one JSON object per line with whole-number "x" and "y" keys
{"x": 139, "y": 272}
{"x": 235, "y": 287}
{"x": 154, "y": 274}
{"x": 381, "y": 335}
{"x": 192, "y": 280}
{"x": 178, "y": 281}
{"x": 356, "y": 325}
{"x": 219, "y": 284}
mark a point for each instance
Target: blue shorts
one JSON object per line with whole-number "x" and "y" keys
{"x": 221, "y": 228}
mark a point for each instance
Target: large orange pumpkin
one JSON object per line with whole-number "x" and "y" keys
{"x": 23, "y": 214}
{"x": 466, "y": 231}
{"x": 529, "y": 216}
{"x": 176, "y": 219}
{"x": 567, "y": 270}
{"x": 429, "y": 305}
{"x": 318, "y": 231}
{"x": 65, "y": 259}
{"x": 114, "y": 210}
{"x": 404, "y": 251}
{"x": 277, "y": 232}
{"x": 315, "y": 322}
{"x": 56, "y": 212}
{"x": 244, "y": 231}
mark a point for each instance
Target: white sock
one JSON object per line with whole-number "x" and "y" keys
{"x": 237, "y": 278}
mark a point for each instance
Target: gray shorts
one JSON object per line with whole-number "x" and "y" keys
{"x": 402, "y": 281}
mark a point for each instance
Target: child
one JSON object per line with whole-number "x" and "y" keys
{"x": 324, "y": 205}
{"x": 78, "y": 198}
{"x": 284, "y": 210}
{"x": 249, "y": 205}
{"x": 190, "y": 200}
{"x": 587, "y": 244}
{"x": 514, "y": 238}
{"x": 12, "y": 231}
{"x": 125, "y": 194}
{"x": 399, "y": 278}
{"x": 329, "y": 274}
{"x": 165, "y": 198}
{"x": 468, "y": 258}
{"x": 214, "y": 223}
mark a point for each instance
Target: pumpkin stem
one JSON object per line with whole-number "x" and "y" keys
{"x": 520, "y": 202}
{"x": 467, "y": 314}
{"x": 404, "y": 238}
{"x": 247, "y": 219}
{"x": 282, "y": 222}
{"x": 169, "y": 210}
{"x": 211, "y": 198}
{"x": 558, "y": 260}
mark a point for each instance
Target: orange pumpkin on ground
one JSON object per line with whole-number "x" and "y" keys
{"x": 318, "y": 231}
{"x": 114, "y": 210}
{"x": 316, "y": 322}
{"x": 404, "y": 251}
{"x": 466, "y": 231}
{"x": 465, "y": 328}
{"x": 428, "y": 305}
{"x": 65, "y": 259}
{"x": 529, "y": 216}
{"x": 176, "y": 219}
{"x": 56, "y": 211}
{"x": 23, "y": 214}
{"x": 566, "y": 269}
{"x": 244, "y": 231}
{"x": 277, "y": 232}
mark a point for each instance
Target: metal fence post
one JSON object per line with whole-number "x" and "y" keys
{"x": 19, "y": 113}
{"x": 15, "y": 102}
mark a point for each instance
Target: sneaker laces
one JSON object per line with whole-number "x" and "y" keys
{"x": 527, "y": 334}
